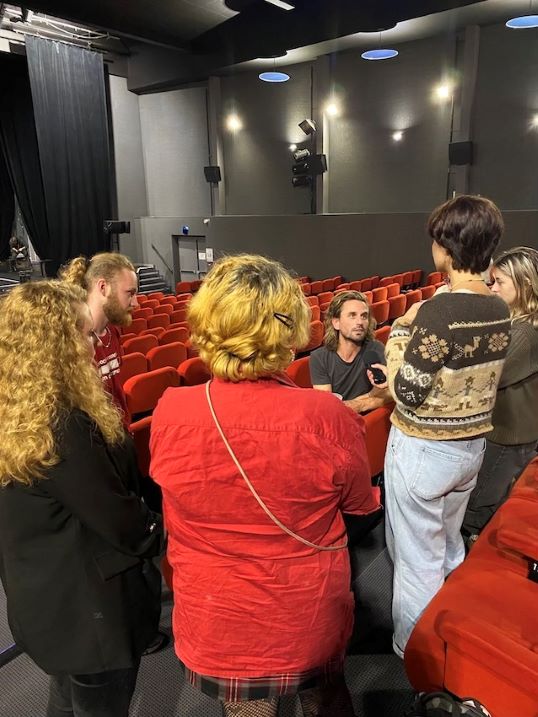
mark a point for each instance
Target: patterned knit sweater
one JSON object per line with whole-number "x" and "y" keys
{"x": 444, "y": 369}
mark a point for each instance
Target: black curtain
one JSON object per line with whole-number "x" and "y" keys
{"x": 68, "y": 94}
{"x": 18, "y": 145}
{"x": 7, "y": 208}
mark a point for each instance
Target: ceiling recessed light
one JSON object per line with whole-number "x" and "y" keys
{"x": 274, "y": 76}
{"x": 523, "y": 23}
{"x": 397, "y": 136}
{"x": 382, "y": 54}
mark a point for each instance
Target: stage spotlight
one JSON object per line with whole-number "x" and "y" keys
{"x": 292, "y": 147}
{"x": 308, "y": 126}
{"x": 397, "y": 136}
{"x": 301, "y": 154}
{"x": 443, "y": 92}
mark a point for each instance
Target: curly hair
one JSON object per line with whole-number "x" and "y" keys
{"x": 469, "y": 228}
{"x": 83, "y": 272}
{"x": 521, "y": 265}
{"x": 45, "y": 372}
{"x": 248, "y": 317}
{"x": 330, "y": 339}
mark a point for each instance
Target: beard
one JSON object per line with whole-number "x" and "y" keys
{"x": 115, "y": 312}
{"x": 358, "y": 340}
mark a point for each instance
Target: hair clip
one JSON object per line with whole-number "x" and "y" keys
{"x": 284, "y": 319}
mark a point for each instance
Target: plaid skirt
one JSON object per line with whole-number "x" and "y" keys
{"x": 240, "y": 689}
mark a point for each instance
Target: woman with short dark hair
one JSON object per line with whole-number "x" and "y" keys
{"x": 444, "y": 359}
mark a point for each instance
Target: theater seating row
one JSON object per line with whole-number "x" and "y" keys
{"x": 479, "y": 635}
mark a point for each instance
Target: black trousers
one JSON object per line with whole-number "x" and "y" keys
{"x": 104, "y": 694}
{"x": 501, "y": 466}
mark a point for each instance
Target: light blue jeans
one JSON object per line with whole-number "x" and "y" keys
{"x": 427, "y": 487}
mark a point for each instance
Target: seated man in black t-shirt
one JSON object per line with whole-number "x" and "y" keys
{"x": 342, "y": 364}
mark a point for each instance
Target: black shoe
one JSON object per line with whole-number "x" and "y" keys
{"x": 159, "y": 642}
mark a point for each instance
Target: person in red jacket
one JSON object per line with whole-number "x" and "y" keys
{"x": 256, "y": 475}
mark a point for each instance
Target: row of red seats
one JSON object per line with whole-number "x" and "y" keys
{"x": 158, "y": 335}
{"x": 144, "y": 390}
{"x": 406, "y": 281}
{"x": 479, "y": 635}
{"x": 386, "y": 303}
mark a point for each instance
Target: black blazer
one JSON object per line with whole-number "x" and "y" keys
{"x": 80, "y": 596}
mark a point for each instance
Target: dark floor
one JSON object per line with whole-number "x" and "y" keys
{"x": 375, "y": 676}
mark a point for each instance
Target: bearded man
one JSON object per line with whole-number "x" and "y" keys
{"x": 111, "y": 284}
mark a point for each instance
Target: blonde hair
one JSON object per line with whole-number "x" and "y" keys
{"x": 248, "y": 317}
{"x": 521, "y": 265}
{"x": 84, "y": 272}
{"x": 330, "y": 339}
{"x": 45, "y": 372}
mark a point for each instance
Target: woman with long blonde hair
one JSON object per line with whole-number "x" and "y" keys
{"x": 256, "y": 475}
{"x": 512, "y": 443}
{"x": 73, "y": 532}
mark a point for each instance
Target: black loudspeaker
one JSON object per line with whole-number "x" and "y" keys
{"x": 460, "y": 153}
{"x": 212, "y": 174}
{"x": 115, "y": 226}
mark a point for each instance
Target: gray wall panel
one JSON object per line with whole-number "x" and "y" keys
{"x": 355, "y": 245}
{"x": 257, "y": 158}
{"x": 506, "y": 145}
{"x": 130, "y": 180}
{"x": 174, "y": 137}
{"x": 369, "y": 172}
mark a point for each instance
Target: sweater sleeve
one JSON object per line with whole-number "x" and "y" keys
{"x": 415, "y": 354}
{"x": 521, "y": 356}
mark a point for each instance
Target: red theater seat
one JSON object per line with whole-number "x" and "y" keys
{"x": 316, "y": 336}
{"x": 377, "y": 424}
{"x": 382, "y": 334}
{"x": 174, "y": 334}
{"x": 143, "y": 392}
{"x": 397, "y": 306}
{"x": 141, "y": 344}
{"x": 412, "y": 297}
{"x": 380, "y": 311}
{"x": 132, "y": 364}
{"x": 140, "y": 431}
{"x": 299, "y": 372}
{"x": 427, "y": 292}
{"x": 193, "y": 371}
{"x": 479, "y": 634}
{"x": 379, "y": 294}
{"x": 159, "y": 320}
{"x": 171, "y": 354}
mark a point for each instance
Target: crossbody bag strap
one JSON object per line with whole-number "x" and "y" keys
{"x": 239, "y": 467}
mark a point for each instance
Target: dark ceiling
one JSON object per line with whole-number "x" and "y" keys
{"x": 239, "y": 30}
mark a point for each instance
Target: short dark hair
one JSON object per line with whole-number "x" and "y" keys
{"x": 469, "y": 228}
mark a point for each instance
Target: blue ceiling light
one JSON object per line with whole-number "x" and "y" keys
{"x": 523, "y": 23}
{"x": 379, "y": 54}
{"x": 274, "y": 76}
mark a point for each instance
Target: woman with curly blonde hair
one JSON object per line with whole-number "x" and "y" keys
{"x": 73, "y": 533}
{"x": 256, "y": 474}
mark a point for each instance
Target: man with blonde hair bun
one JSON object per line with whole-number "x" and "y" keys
{"x": 111, "y": 284}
